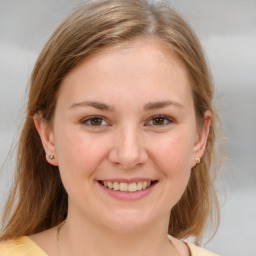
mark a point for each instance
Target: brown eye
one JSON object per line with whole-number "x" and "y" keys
{"x": 158, "y": 121}
{"x": 94, "y": 121}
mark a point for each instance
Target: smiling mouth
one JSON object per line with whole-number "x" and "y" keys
{"x": 127, "y": 187}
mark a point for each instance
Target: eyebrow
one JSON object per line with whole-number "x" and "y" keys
{"x": 105, "y": 107}
{"x": 94, "y": 104}
{"x": 162, "y": 104}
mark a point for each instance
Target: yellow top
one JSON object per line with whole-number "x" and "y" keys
{"x": 195, "y": 251}
{"x": 24, "y": 246}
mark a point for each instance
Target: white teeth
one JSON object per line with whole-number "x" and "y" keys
{"x": 132, "y": 187}
{"x": 139, "y": 186}
{"x": 123, "y": 186}
{"x": 116, "y": 186}
{"x": 144, "y": 184}
{"x": 127, "y": 187}
{"x": 110, "y": 185}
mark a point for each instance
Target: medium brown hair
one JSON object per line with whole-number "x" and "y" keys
{"x": 38, "y": 200}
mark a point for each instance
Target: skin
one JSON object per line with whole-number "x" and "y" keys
{"x": 126, "y": 142}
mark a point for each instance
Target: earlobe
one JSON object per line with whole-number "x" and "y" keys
{"x": 47, "y": 137}
{"x": 201, "y": 141}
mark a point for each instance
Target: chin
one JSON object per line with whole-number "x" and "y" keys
{"x": 127, "y": 221}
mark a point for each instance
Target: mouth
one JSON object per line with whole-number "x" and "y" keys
{"x": 127, "y": 186}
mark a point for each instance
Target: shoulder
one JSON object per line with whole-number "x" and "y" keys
{"x": 187, "y": 248}
{"x": 198, "y": 251}
{"x": 22, "y": 246}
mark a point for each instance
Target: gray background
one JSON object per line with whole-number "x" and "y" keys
{"x": 227, "y": 30}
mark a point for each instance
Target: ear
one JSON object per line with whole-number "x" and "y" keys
{"x": 47, "y": 137}
{"x": 201, "y": 138}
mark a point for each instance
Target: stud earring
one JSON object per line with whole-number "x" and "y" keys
{"x": 197, "y": 160}
{"x": 51, "y": 157}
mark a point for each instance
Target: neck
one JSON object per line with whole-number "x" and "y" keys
{"x": 86, "y": 238}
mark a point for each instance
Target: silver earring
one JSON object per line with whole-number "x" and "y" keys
{"x": 197, "y": 160}
{"x": 51, "y": 157}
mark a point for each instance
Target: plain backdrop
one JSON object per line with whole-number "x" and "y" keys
{"x": 227, "y": 30}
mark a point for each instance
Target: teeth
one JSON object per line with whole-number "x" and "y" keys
{"x": 116, "y": 186}
{"x": 132, "y": 187}
{"x": 110, "y": 185}
{"x": 123, "y": 186}
{"x": 144, "y": 184}
{"x": 139, "y": 186}
{"x": 127, "y": 187}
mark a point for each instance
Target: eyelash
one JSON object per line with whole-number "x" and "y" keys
{"x": 91, "y": 118}
{"x": 164, "y": 118}
{"x": 152, "y": 119}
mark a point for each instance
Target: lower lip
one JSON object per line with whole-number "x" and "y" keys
{"x": 129, "y": 196}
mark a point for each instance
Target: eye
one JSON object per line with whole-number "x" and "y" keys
{"x": 94, "y": 121}
{"x": 160, "y": 121}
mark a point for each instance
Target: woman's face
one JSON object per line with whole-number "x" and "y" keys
{"x": 124, "y": 135}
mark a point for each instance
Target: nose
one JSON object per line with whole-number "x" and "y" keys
{"x": 128, "y": 151}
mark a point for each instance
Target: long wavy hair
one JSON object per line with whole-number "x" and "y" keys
{"x": 38, "y": 200}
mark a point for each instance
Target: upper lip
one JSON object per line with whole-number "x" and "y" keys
{"x": 125, "y": 180}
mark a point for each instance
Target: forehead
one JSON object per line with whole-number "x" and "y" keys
{"x": 148, "y": 50}
{"x": 139, "y": 68}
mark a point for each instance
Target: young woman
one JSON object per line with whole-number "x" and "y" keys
{"x": 115, "y": 153}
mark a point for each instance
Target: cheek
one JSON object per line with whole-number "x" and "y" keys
{"x": 173, "y": 159}
{"x": 78, "y": 153}
{"x": 174, "y": 152}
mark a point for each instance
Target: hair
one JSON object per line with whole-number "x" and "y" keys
{"x": 38, "y": 200}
